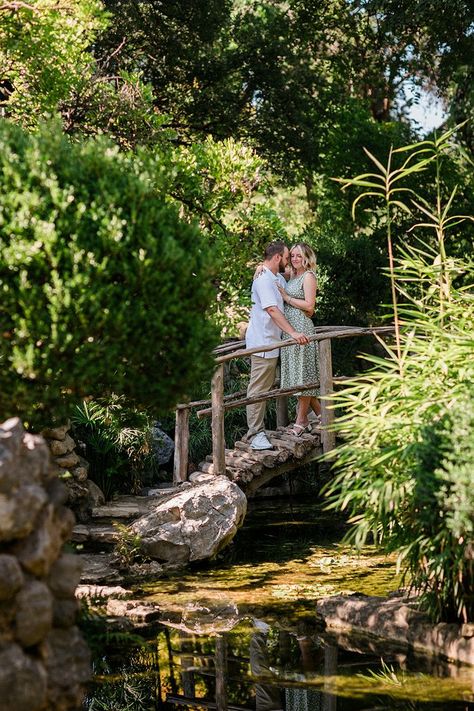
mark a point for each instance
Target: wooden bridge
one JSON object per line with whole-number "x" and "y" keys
{"x": 252, "y": 469}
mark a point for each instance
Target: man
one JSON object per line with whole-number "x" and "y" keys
{"x": 267, "y": 321}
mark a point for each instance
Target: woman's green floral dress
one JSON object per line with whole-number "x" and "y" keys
{"x": 299, "y": 364}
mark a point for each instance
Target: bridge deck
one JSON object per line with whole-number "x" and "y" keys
{"x": 251, "y": 469}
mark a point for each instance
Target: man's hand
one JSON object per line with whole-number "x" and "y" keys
{"x": 299, "y": 338}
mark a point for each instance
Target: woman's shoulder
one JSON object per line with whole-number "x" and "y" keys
{"x": 310, "y": 273}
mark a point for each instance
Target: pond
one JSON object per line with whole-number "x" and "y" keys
{"x": 242, "y": 633}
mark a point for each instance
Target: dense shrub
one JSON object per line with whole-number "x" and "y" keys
{"x": 103, "y": 286}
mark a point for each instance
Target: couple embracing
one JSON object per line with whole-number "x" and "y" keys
{"x": 282, "y": 309}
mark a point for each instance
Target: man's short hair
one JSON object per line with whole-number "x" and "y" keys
{"x": 273, "y": 248}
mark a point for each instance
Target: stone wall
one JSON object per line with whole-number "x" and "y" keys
{"x": 66, "y": 463}
{"x": 44, "y": 661}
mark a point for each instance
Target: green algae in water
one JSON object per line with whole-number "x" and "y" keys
{"x": 283, "y": 555}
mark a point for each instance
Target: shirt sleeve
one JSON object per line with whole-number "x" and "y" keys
{"x": 267, "y": 293}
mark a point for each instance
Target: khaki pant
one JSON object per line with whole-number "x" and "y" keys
{"x": 262, "y": 378}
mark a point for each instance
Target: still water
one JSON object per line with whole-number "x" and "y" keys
{"x": 242, "y": 633}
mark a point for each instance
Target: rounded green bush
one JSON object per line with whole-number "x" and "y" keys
{"x": 103, "y": 288}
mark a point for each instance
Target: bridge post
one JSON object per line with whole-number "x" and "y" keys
{"x": 181, "y": 445}
{"x": 217, "y": 403}
{"x": 282, "y": 418}
{"x": 328, "y": 439}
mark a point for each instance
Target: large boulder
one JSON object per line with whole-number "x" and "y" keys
{"x": 194, "y": 523}
{"x": 162, "y": 445}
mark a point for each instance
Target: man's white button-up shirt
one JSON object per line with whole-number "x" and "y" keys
{"x": 262, "y": 329}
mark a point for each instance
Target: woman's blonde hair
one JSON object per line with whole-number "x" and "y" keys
{"x": 307, "y": 252}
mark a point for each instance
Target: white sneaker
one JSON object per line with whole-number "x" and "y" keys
{"x": 261, "y": 441}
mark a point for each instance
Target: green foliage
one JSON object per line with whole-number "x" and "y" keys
{"x": 388, "y": 186}
{"x": 405, "y": 467}
{"x": 43, "y": 46}
{"x": 48, "y": 70}
{"x": 103, "y": 286}
{"x": 118, "y": 444}
{"x": 221, "y": 184}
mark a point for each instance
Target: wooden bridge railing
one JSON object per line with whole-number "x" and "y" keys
{"x": 220, "y": 403}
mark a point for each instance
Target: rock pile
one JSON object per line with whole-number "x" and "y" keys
{"x": 44, "y": 660}
{"x": 83, "y": 494}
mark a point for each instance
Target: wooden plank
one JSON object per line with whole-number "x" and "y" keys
{"x": 218, "y": 440}
{"x": 181, "y": 447}
{"x": 199, "y": 403}
{"x": 231, "y": 400}
{"x": 277, "y": 392}
{"x": 208, "y": 468}
{"x": 220, "y": 664}
{"x": 328, "y": 437}
{"x": 200, "y": 703}
{"x": 295, "y": 448}
{"x": 268, "y": 457}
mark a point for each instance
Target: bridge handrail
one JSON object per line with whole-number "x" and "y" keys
{"x": 349, "y": 332}
{"x": 233, "y": 345}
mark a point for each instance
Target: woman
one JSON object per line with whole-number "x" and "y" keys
{"x": 299, "y": 364}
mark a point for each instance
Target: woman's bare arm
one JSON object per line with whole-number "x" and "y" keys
{"x": 309, "y": 288}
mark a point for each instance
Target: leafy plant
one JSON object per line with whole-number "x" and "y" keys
{"x": 118, "y": 443}
{"x": 128, "y": 546}
{"x": 404, "y": 470}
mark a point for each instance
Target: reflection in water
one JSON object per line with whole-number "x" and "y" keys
{"x": 255, "y": 667}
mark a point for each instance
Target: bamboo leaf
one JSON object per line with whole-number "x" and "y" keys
{"x": 377, "y": 162}
{"x": 425, "y": 210}
{"x": 357, "y": 200}
{"x": 447, "y": 226}
{"x": 461, "y": 218}
{"x": 357, "y": 178}
{"x": 449, "y": 203}
{"x": 401, "y": 205}
{"x": 412, "y": 146}
{"x": 417, "y": 168}
{"x": 432, "y": 225}
{"x": 449, "y": 133}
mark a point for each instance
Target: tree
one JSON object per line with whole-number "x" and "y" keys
{"x": 48, "y": 70}
{"x": 104, "y": 288}
{"x": 43, "y": 53}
